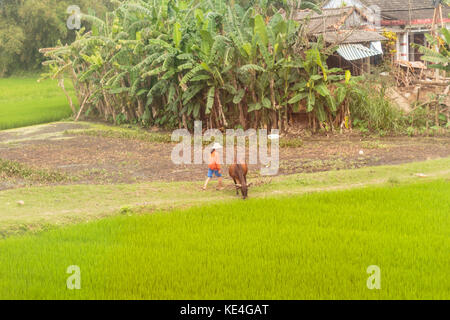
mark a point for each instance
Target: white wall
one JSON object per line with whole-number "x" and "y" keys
{"x": 403, "y": 46}
{"x": 343, "y": 3}
{"x": 373, "y": 12}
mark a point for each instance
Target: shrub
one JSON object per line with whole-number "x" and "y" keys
{"x": 372, "y": 111}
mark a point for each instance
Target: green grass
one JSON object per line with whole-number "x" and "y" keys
{"x": 314, "y": 246}
{"x": 14, "y": 169}
{"x": 133, "y": 132}
{"x": 52, "y": 206}
{"x": 122, "y": 132}
{"x": 25, "y": 102}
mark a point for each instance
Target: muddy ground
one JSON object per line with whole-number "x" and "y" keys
{"x": 99, "y": 160}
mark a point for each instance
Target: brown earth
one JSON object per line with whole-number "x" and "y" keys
{"x": 98, "y": 160}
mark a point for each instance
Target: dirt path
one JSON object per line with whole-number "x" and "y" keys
{"x": 102, "y": 160}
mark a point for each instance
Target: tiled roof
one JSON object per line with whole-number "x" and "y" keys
{"x": 331, "y": 19}
{"x": 352, "y": 36}
{"x": 406, "y": 10}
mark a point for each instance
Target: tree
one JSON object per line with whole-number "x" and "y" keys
{"x": 26, "y": 26}
{"x": 441, "y": 57}
{"x": 168, "y": 63}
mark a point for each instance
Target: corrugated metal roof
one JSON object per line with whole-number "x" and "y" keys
{"x": 377, "y": 46}
{"x": 352, "y": 52}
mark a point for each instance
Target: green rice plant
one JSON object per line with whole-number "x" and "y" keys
{"x": 315, "y": 246}
{"x": 25, "y": 102}
{"x": 61, "y": 205}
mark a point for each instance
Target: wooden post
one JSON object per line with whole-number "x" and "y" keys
{"x": 434, "y": 33}
{"x": 442, "y": 26}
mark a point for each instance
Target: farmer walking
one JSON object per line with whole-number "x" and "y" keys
{"x": 214, "y": 167}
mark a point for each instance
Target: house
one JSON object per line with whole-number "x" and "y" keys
{"x": 351, "y": 29}
{"x": 409, "y": 19}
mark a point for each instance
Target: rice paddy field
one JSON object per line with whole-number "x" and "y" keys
{"x": 303, "y": 236}
{"x": 25, "y": 102}
{"x": 311, "y": 246}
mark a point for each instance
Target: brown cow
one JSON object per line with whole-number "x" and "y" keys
{"x": 239, "y": 174}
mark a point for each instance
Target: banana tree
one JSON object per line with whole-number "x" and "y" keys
{"x": 168, "y": 63}
{"x": 314, "y": 89}
{"x": 441, "y": 57}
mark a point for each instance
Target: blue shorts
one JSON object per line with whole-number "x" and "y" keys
{"x": 212, "y": 172}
